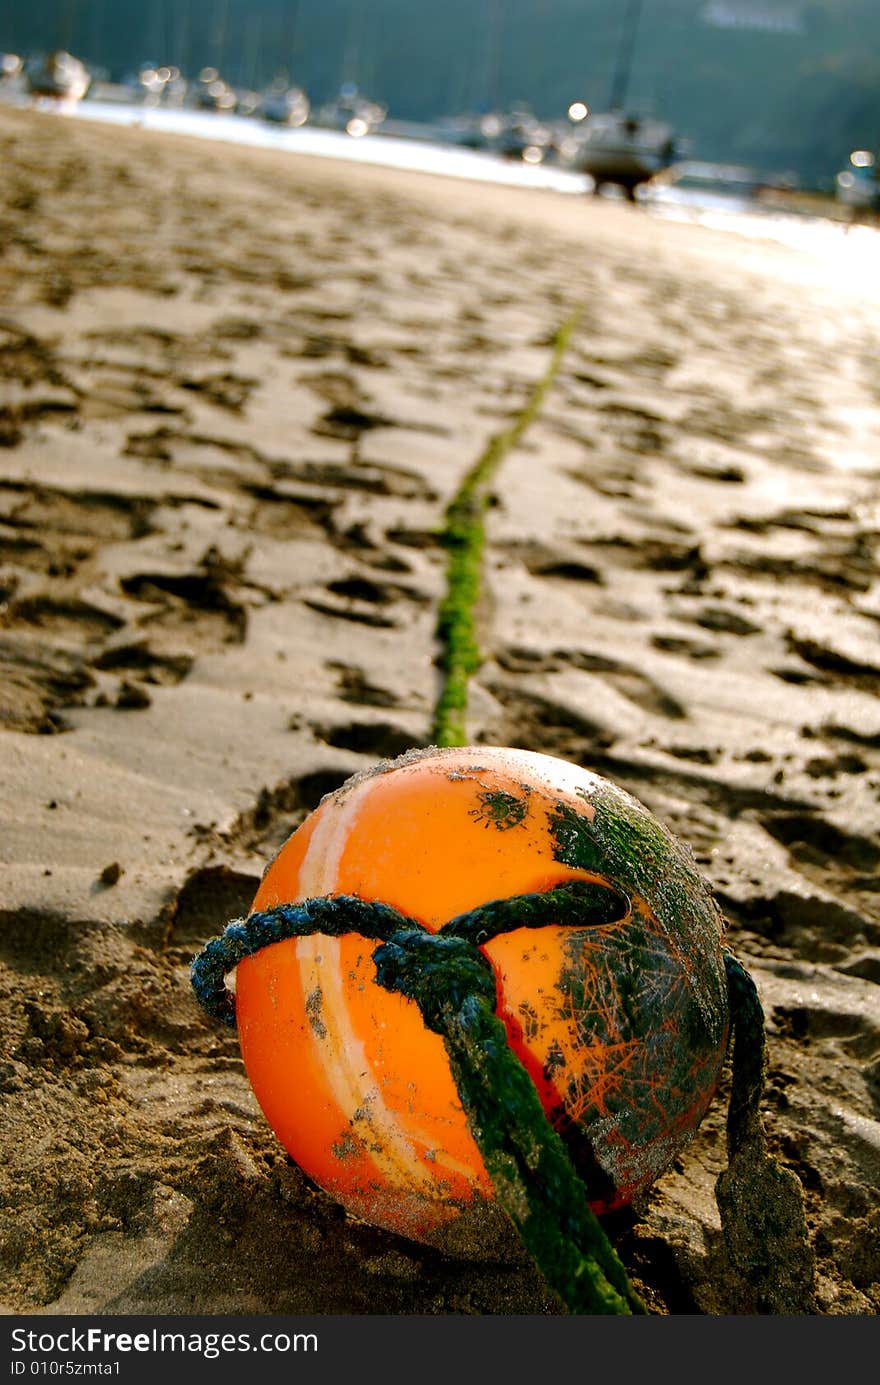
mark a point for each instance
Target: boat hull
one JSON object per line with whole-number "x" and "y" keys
{"x": 59, "y": 77}
{"x": 858, "y": 192}
{"x": 623, "y": 150}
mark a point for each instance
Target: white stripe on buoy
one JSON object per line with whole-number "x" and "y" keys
{"x": 350, "y": 1077}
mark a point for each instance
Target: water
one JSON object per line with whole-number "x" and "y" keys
{"x": 848, "y": 255}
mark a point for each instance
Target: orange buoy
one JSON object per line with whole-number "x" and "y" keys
{"x": 622, "y": 1024}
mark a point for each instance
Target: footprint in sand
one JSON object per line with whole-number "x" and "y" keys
{"x": 63, "y": 524}
{"x": 188, "y": 608}
{"x": 354, "y": 686}
{"x": 64, "y": 619}
{"x": 38, "y": 684}
{"x": 380, "y": 739}
{"x": 276, "y": 813}
{"x": 635, "y": 685}
{"x": 825, "y": 851}
{"x": 365, "y": 601}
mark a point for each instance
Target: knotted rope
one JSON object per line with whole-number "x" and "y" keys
{"x": 452, "y": 982}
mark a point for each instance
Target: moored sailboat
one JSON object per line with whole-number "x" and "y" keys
{"x": 618, "y": 147}
{"x": 58, "y": 76}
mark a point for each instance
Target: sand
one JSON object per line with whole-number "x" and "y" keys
{"x": 238, "y": 389}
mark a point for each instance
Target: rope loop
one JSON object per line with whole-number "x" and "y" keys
{"x": 577, "y": 903}
{"x": 241, "y": 938}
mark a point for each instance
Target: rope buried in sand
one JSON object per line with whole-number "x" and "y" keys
{"x": 452, "y": 983}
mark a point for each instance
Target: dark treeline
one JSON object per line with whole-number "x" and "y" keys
{"x": 795, "y": 101}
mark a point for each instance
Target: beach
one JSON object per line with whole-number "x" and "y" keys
{"x": 238, "y": 390}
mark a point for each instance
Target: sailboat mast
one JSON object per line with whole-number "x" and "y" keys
{"x": 96, "y": 33}
{"x": 291, "y": 42}
{"x": 181, "y": 34}
{"x": 253, "y": 46}
{"x": 624, "y": 56}
{"x": 218, "y": 38}
{"x": 352, "y": 54}
{"x": 495, "y": 36}
{"x": 69, "y": 23}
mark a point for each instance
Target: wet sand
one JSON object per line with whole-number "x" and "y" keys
{"x": 237, "y": 390}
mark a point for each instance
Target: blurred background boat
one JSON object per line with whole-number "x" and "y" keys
{"x": 619, "y": 147}
{"x": 623, "y": 150}
{"x": 58, "y": 76}
{"x": 162, "y": 85}
{"x": 351, "y": 112}
{"x": 284, "y": 104}
{"x": 469, "y": 130}
{"x": 212, "y": 93}
{"x": 858, "y": 186}
{"x": 522, "y": 136}
{"x": 513, "y": 134}
{"x": 11, "y": 67}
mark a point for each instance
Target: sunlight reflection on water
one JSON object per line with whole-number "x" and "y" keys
{"x": 848, "y": 252}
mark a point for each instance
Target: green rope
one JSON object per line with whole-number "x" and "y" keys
{"x": 463, "y": 536}
{"x": 533, "y": 1176}
{"x": 453, "y": 984}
